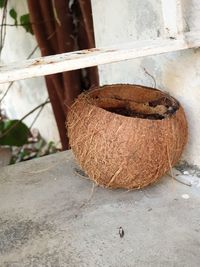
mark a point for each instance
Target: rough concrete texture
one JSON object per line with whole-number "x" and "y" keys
{"x": 51, "y": 215}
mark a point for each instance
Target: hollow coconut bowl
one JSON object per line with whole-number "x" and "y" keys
{"x": 126, "y": 136}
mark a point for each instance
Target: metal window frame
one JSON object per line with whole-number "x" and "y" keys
{"x": 174, "y": 40}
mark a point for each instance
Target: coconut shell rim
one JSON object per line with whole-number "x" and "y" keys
{"x": 99, "y": 88}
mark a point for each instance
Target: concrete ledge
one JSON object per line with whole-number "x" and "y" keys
{"x": 52, "y": 216}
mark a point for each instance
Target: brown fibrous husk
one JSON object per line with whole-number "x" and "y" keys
{"x": 126, "y": 136}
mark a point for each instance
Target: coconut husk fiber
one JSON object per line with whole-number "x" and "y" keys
{"x": 126, "y": 136}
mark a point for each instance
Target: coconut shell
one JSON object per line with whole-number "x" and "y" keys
{"x": 126, "y": 136}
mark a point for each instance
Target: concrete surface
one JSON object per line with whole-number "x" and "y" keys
{"x": 51, "y": 215}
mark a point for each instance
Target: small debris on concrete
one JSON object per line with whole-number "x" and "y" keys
{"x": 185, "y": 196}
{"x": 196, "y": 182}
{"x": 121, "y": 232}
{"x": 187, "y": 174}
{"x": 80, "y": 172}
{"x": 186, "y": 180}
{"x": 193, "y": 170}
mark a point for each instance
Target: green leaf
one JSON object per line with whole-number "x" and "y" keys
{"x": 16, "y": 133}
{"x": 25, "y": 22}
{"x": 13, "y": 15}
{"x": 1, "y": 127}
{"x": 2, "y": 3}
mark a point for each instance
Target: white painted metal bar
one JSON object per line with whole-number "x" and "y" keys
{"x": 93, "y": 57}
{"x": 173, "y": 18}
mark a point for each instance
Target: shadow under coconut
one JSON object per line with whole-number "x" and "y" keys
{"x": 147, "y": 191}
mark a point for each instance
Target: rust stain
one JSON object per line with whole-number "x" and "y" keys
{"x": 41, "y": 62}
{"x": 37, "y": 62}
{"x": 87, "y": 51}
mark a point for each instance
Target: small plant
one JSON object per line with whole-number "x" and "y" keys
{"x": 34, "y": 148}
{"x": 24, "y": 143}
{"x": 13, "y": 133}
{"x": 23, "y": 20}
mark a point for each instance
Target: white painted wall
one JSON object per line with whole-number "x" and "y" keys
{"x": 117, "y": 21}
{"x": 26, "y": 94}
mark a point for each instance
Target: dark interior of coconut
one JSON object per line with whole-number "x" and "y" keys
{"x": 155, "y": 110}
{"x": 158, "y": 108}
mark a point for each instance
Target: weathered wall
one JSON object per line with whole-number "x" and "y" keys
{"x": 27, "y": 94}
{"x": 119, "y": 21}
